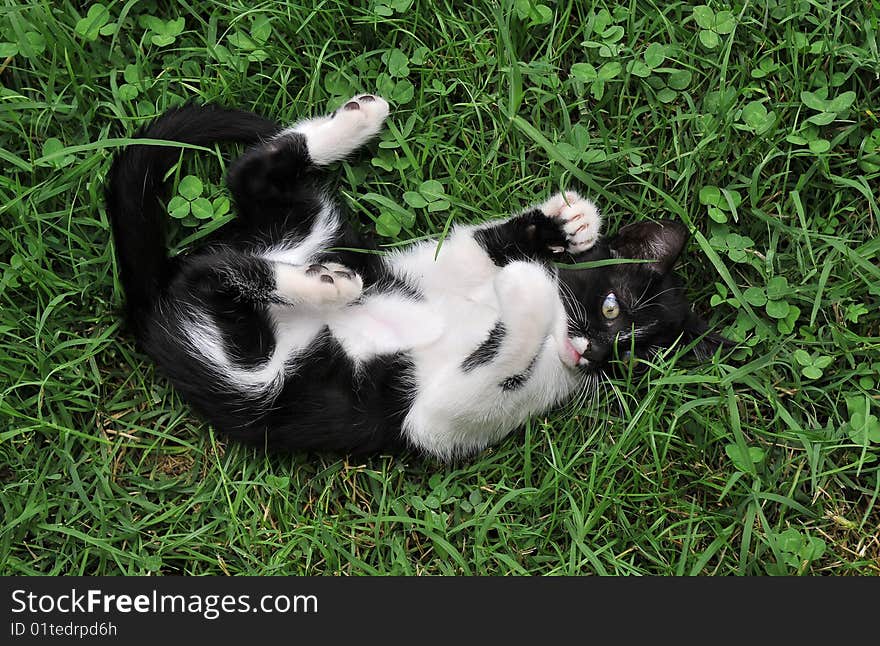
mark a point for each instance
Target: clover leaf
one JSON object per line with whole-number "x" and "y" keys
{"x": 163, "y": 33}
{"x": 757, "y": 118}
{"x": 392, "y": 216}
{"x": 536, "y": 13}
{"x": 90, "y": 27}
{"x": 397, "y": 62}
{"x": 597, "y": 78}
{"x": 430, "y": 194}
{"x": 713, "y": 25}
{"x": 799, "y": 550}
{"x": 53, "y": 146}
{"x": 813, "y": 364}
{"x": 745, "y": 463}
{"x": 863, "y": 426}
{"x": 190, "y": 187}
{"x": 190, "y": 206}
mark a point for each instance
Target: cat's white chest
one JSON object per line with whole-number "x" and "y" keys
{"x": 456, "y": 307}
{"x": 432, "y": 329}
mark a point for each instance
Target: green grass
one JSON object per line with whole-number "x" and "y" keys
{"x": 758, "y": 128}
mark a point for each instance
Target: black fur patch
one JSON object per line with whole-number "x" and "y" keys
{"x": 487, "y": 350}
{"x": 515, "y": 382}
{"x": 529, "y": 236}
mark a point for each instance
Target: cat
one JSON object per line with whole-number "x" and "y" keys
{"x": 277, "y": 330}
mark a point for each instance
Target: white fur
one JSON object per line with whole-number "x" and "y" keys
{"x": 456, "y": 412}
{"x": 294, "y": 335}
{"x": 384, "y": 324}
{"x": 333, "y": 138}
{"x": 301, "y": 252}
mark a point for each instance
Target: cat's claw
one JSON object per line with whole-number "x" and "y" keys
{"x": 578, "y": 217}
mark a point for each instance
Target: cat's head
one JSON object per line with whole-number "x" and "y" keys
{"x": 634, "y": 308}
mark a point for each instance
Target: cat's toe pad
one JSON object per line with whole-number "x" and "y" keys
{"x": 334, "y": 283}
{"x": 364, "y": 112}
{"x": 579, "y": 219}
{"x": 319, "y": 284}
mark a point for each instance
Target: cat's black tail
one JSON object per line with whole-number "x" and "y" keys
{"x": 135, "y": 189}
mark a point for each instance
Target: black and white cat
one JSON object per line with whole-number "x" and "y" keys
{"x": 277, "y": 331}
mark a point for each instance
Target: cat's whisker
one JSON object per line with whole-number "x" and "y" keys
{"x": 589, "y": 390}
{"x": 620, "y": 404}
{"x": 574, "y": 304}
{"x": 604, "y": 383}
{"x": 595, "y": 392}
{"x": 576, "y": 402}
{"x": 642, "y": 305}
{"x": 641, "y": 296}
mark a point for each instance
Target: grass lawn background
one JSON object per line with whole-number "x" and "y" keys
{"x": 755, "y": 123}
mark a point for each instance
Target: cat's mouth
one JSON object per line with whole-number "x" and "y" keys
{"x": 572, "y": 353}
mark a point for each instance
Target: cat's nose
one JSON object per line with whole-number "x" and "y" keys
{"x": 597, "y": 351}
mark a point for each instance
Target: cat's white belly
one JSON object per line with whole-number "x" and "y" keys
{"x": 385, "y": 324}
{"x": 456, "y": 412}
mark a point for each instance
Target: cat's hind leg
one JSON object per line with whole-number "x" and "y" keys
{"x": 285, "y": 215}
{"x": 271, "y": 179}
{"x": 336, "y": 136}
{"x": 245, "y": 278}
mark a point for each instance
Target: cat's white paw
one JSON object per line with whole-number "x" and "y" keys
{"x": 579, "y": 219}
{"x": 319, "y": 284}
{"x": 336, "y": 136}
{"x": 364, "y": 112}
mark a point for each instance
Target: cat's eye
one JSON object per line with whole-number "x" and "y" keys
{"x": 610, "y": 307}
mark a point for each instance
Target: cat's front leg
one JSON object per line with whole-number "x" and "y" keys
{"x": 564, "y": 223}
{"x": 530, "y": 312}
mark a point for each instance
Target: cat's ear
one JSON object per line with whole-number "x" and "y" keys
{"x": 660, "y": 242}
{"x": 709, "y": 342}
